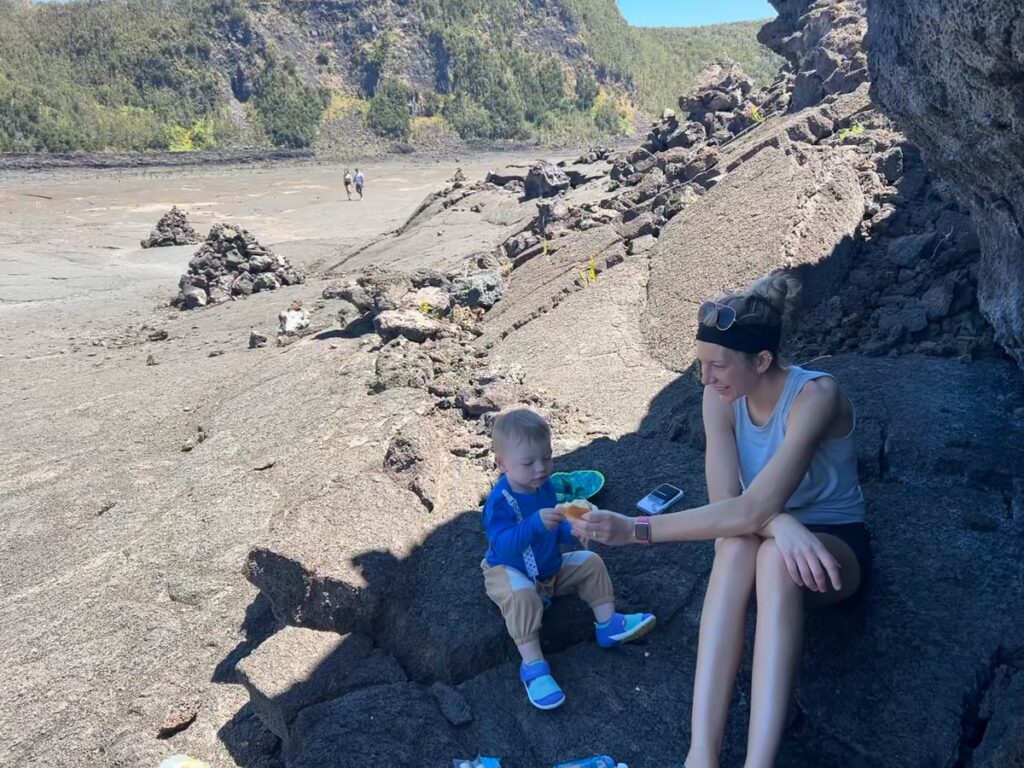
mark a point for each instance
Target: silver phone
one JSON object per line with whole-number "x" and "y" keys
{"x": 660, "y": 499}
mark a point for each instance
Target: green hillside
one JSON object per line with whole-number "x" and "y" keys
{"x": 659, "y": 63}
{"x": 187, "y": 74}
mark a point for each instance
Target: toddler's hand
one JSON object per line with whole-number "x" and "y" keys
{"x": 551, "y": 518}
{"x": 581, "y": 538}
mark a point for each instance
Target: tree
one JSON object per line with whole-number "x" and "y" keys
{"x": 586, "y": 90}
{"x": 389, "y": 109}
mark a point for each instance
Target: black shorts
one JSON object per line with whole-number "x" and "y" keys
{"x": 855, "y": 536}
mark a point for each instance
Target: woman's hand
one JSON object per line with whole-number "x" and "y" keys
{"x": 808, "y": 561}
{"x": 604, "y": 526}
{"x": 551, "y": 517}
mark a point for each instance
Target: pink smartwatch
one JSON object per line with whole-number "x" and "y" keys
{"x": 642, "y": 530}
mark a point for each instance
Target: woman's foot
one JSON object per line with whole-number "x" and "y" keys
{"x": 624, "y": 628}
{"x": 541, "y": 688}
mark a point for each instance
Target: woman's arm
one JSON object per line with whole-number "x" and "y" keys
{"x": 813, "y": 411}
{"x": 766, "y": 497}
{"x": 721, "y": 462}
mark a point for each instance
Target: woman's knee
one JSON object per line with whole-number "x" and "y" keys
{"x": 732, "y": 548}
{"x": 734, "y": 563}
{"x": 771, "y": 566}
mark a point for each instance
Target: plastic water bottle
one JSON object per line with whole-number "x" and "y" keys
{"x": 183, "y": 761}
{"x": 598, "y": 761}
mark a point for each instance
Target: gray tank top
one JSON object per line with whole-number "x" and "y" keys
{"x": 829, "y": 494}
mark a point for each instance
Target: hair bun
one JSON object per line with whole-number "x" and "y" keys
{"x": 780, "y": 291}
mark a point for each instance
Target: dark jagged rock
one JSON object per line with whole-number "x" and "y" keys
{"x": 719, "y": 87}
{"x": 545, "y": 180}
{"x": 594, "y": 155}
{"x": 950, "y": 74}
{"x": 403, "y": 364}
{"x": 298, "y": 668}
{"x": 482, "y": 289}
{"x": 822, "y": 41}
{"x": 505, "y": 177}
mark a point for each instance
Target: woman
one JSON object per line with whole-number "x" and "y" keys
{"x": 785, "y": 509}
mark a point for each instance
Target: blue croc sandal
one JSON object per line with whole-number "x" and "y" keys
{"x": 541, "y": 688}
{"x": 624, "y": 628}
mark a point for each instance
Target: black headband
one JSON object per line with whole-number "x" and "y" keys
{"x": 752, "y": 338}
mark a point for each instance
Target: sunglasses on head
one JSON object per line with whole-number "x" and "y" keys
{"x": 721, "y": 316}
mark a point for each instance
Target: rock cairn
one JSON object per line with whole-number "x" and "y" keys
{"x": 172, "y": 229}
{"x": 232, "y": 263}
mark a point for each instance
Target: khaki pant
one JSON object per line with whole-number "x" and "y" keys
{"x": 519, "y": 598}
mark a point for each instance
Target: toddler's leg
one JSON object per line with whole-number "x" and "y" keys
{"x": 585, "y": 573}
{"x": 516, "y": 595}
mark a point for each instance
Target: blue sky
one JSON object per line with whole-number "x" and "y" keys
{"x": 685, "y": 13}
{"x": 692, "y": 13}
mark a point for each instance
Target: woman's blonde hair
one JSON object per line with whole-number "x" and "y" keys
{"x": 767, "y": 302}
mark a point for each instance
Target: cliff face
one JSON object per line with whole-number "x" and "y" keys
{"x": 823, "y": 43}
{"x": 951, "y": 74}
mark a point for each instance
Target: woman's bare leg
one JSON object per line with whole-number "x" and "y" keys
{"x": 778, "y": 642}
{"x": 720, "y": 644}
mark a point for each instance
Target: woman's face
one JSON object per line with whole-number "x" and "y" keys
{"x": 727, "y": 371}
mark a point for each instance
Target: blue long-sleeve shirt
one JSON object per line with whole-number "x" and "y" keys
{"x": 507, "y": 539}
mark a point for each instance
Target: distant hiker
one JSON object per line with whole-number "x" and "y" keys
{"x": 359, "y": 183}
{"x": 524, "y": 567}
{"x": 348, "y": 183}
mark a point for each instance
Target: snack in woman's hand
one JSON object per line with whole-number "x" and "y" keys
{"x": 575, "y": 509}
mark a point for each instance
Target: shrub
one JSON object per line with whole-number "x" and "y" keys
{"x": 288, "y": 109}
{"x": 586, "y": 90}
{"x": 608, "y": 118}
{"x": 389, "y": 110}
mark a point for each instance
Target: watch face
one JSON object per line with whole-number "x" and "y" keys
{"x": 642, "y": 531}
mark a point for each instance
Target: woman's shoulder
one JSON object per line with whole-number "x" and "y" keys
{"x": 804, "y": 380}
{"x": 819, "y": 388}
{"x": 818, "y": 381}
{"x": 817, "y": 404}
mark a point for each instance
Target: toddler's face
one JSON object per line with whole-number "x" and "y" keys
{"x": 527, "y": 465}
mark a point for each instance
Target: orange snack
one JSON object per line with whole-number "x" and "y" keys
{"x": 576, "y": 509}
